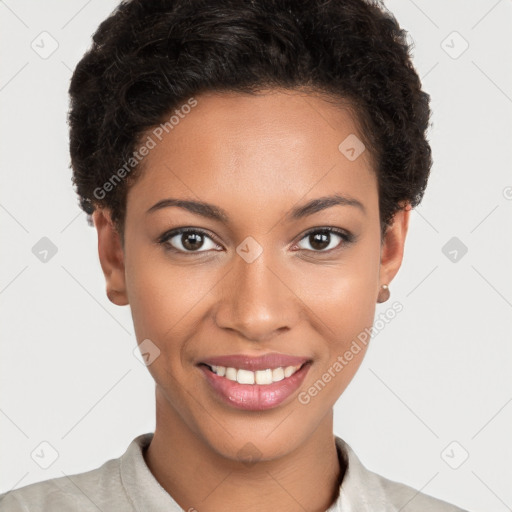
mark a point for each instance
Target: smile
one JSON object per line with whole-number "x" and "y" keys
{"x": 256, "y": 391}
{"x": 261, "y": 377}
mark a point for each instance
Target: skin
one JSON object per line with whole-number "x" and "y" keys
{"x": 255, "y": 157}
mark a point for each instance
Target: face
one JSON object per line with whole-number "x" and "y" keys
{"x": 264, "y": 274}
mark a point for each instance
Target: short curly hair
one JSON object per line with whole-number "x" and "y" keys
{"x": 151, "y": 56}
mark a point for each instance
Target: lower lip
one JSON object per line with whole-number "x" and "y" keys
{"x": 255, "y": 397}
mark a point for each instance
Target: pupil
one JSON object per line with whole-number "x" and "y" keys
{"x": 185, "y": 240}
{"x": 320, "y": 240}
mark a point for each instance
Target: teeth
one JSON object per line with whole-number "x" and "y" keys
{"x": 230, "y": 373}
{"x": 277, "y": 374}
{"x": 290, "y": 370}
{"x": 262, "y": 377}
{"x": 245, "y": 377}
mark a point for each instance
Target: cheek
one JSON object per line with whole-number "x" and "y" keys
{"x": 164, "y": 298}
{"x": 166, "y": 308}
{"x": 342, "y": 295}
{"x": 344, "y": 298}
{"x": 342, "y": 301}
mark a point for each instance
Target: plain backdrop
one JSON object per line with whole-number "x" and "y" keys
{"x": 431, "y": 405}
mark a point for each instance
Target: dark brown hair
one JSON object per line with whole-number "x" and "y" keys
{"x": 151, "y": 56}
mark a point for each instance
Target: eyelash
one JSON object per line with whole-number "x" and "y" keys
{"x": 346, "y": 236}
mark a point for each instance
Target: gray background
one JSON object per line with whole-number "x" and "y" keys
{"x": 435, "y": 386}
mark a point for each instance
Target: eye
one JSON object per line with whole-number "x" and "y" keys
{"x": 324, "y": 239}
{"x": 188, "y": 240}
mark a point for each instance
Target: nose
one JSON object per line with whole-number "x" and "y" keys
{"x": 257, "y": 299}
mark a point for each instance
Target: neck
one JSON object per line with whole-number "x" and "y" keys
{"x": 199, "y": 478}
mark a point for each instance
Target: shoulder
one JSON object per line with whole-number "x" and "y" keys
{"x": 363, "y": 489}
{"x": 408, "y": 499}
{"x": 98, "y": 489}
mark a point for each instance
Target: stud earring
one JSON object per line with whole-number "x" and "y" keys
{"x": 383, "y": 293}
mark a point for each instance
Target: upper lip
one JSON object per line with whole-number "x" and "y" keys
{"x": 247, "y": 362}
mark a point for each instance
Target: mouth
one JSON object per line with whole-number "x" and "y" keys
{"x": 264, "y": 377}
{"x": 254, "y": 390}
{"x": 270, "y": 360}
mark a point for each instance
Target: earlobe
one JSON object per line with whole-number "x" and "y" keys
{"x": 111, "y": 257}
{"x": 392, "y": 249}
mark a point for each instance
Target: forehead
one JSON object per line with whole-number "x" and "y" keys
{"x": 278, "y": 146}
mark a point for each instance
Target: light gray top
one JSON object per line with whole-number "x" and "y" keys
{"x": 126, "y": 484}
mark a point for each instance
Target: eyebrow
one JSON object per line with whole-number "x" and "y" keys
{"x": 322, "y": 203}
{"x": 211, "y": 211}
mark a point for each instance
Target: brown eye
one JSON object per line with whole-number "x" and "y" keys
{"x": 192, "y": 241}
{"x": 319, "y": 241}
{"x": 188, "y": 240}
{"x": 325, "y": 239}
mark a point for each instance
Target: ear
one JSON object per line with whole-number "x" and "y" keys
{"x": 111, "y": 255}
{"x": 392, "y": 248}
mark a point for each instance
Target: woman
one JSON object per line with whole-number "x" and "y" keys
{"x": 285, "y": 140}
